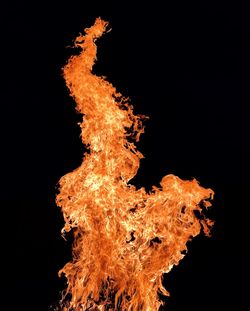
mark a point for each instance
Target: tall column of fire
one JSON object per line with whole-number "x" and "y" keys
{"x": 125, "y": 238}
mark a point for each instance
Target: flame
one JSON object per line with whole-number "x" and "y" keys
{"x": 125, "y": 239}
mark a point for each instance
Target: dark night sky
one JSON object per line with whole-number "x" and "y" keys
{"x": 184, "y": 65}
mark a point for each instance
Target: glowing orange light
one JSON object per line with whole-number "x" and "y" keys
{"x": 125, "y": 238}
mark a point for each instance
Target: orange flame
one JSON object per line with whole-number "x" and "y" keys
{"x": 125, "y": 238}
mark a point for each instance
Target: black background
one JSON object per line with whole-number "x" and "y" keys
{"x": 186, "y": 66}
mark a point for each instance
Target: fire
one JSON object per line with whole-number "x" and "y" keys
{"x": 125, "y": 238}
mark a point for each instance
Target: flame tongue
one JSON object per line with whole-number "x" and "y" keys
{"x": 125, "y": 238}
